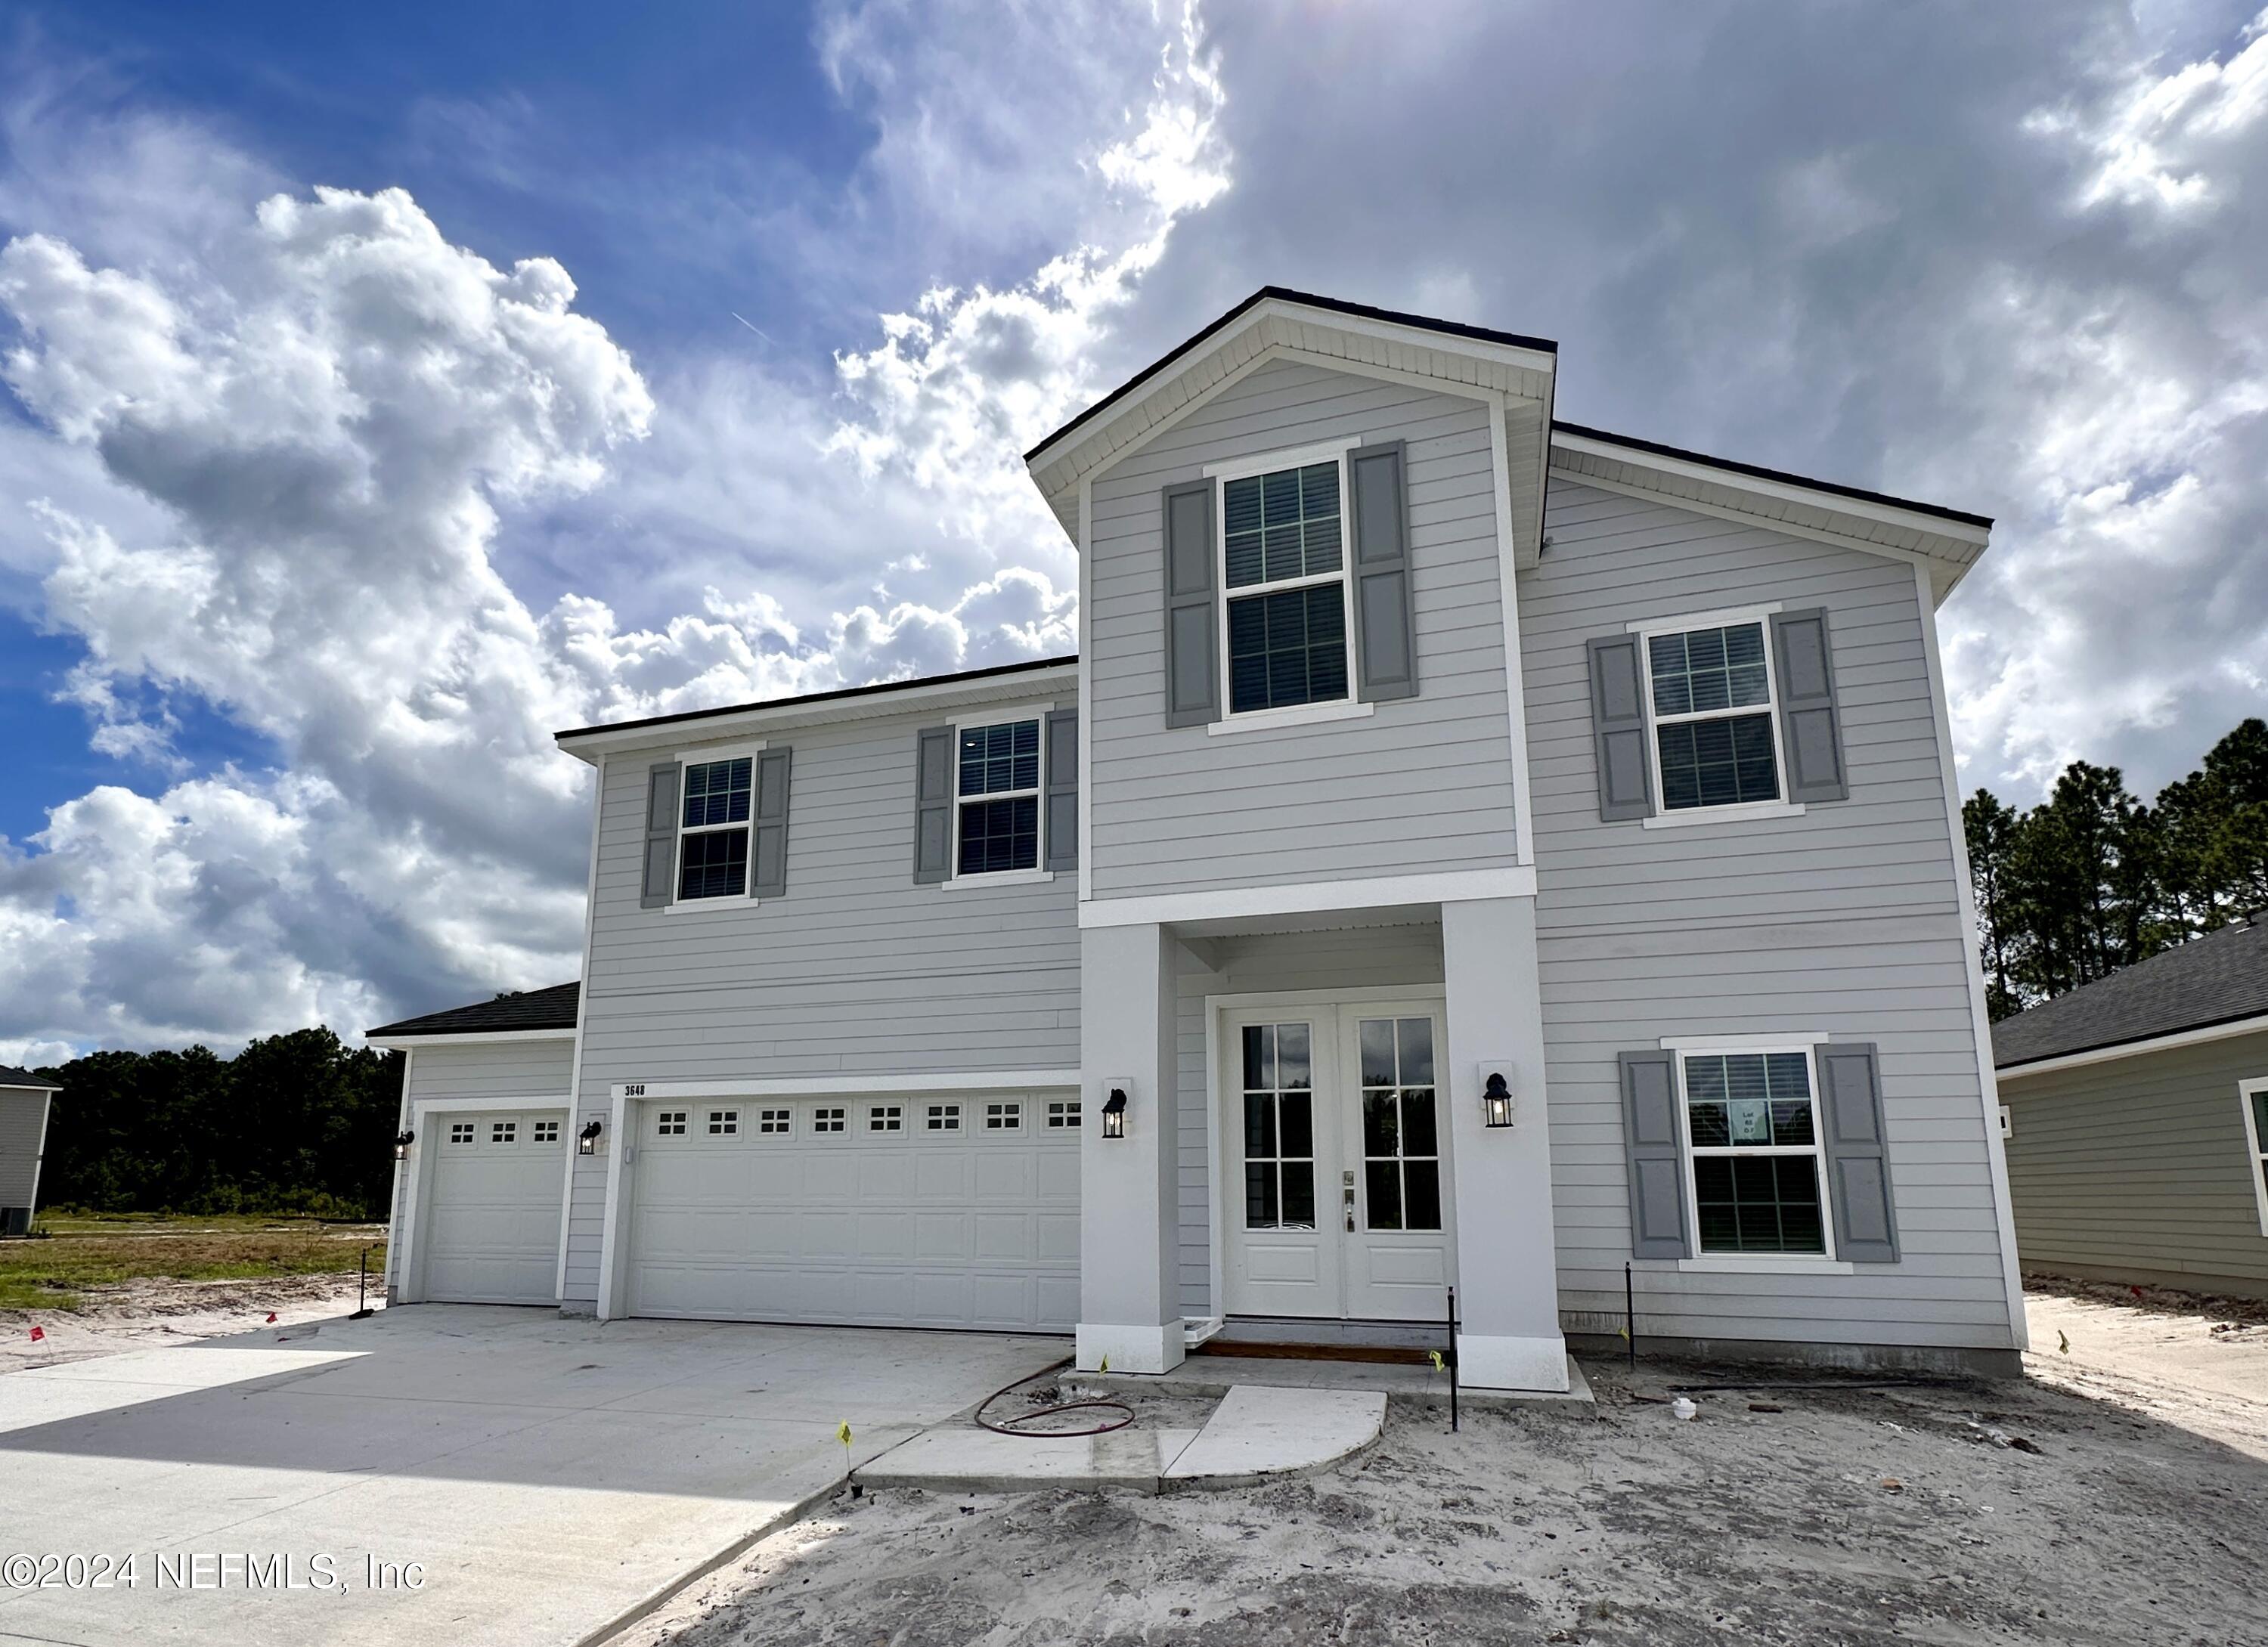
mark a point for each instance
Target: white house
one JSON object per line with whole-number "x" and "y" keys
{"x": 1468, "y": 850}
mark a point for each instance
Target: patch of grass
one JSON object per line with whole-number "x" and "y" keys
{"x": 82, "y": 1252}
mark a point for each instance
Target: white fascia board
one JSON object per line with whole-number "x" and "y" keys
{"x": 760, "y": 718}
{"x": 2257, "y": 1025}
{"x": 403, "y": 1043}
{"x": 1302, "y": 898}
{"x": 1888, "y": 514}
{"x": 849, "y": 1086}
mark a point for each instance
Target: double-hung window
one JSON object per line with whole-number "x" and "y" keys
{"x": 712, "y": 848}
{"x": 1283, "y": 568}
{"x": 1715, "y": 731}
{"x": 2254, "y": 1094}
{"x": 1752, "y": 1131}
{"x": 997, "y": 798}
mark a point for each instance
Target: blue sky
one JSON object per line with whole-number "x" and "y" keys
{"x": 384, "y": 387}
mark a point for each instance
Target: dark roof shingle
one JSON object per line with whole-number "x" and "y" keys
{"x": 554, "y": 1008}
{"x": 10, "y": 1076}
{"x": 2217, "y": 979}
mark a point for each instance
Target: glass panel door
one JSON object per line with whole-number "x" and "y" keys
{"x": 1401, "y": 1137}
{"x": 1279, "y": 1126}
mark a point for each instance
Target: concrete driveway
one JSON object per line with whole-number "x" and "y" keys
{"x": 546, "y": 1476}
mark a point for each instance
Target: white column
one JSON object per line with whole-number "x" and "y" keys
{"x": 1507, "y": 1270}
{"x": 1129, "y": 1307}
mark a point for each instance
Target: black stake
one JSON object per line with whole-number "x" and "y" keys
{"x": 1630, "y": 1315}
{"x": 362, "y": 1291}
{"x": 1452, "y": 1358}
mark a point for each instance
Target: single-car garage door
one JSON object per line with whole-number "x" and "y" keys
{"x": 953, "y": 1210}
{"x": 491, "y": 1232}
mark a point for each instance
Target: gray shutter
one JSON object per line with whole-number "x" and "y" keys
{"x": 1657, "y": 1159}
{"x": 770, "y": 844}
{"x": 933, "y": 805}
{"x": 1858, "y": 1154}
{"x": 1811, "y": 732}
{"x": 1618, "y": 728}
{"x": 1388, "y": 648}
{"x": 1063, "y": 789}
{"x": 1192, "y": 623}
{"x": 660, "y": 883}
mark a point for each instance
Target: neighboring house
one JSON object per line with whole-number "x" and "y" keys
{"x": 23, "y": 1142}
{"x": 1427, "y": 765}
{"x": 2137, "y": 1117}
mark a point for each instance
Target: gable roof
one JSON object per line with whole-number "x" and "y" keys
{"x": 10, "y": 1076}
{"x": 2221, "y": 978}
{"x": 555, "y": 1008}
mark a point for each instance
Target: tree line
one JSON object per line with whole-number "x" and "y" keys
{"x": 295, "y": 1124}
{"x": 2093, "y": 879}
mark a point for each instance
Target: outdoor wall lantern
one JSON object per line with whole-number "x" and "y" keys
{"x": 1495, "y": 1102}
{"x": 1114, "y": 1114}
{"x": 587, "y": 1142}
{"x": 401, "y": 1143}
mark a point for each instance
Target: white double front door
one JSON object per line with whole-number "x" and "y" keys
{"x": 1337, "y": 1182}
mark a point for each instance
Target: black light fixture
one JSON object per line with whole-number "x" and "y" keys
{"x": 587, "y": 1142}
{"x": 1114, "y": 1114}
{"x": 1495, "y": 1102}
{"x": 401, "y": 1143}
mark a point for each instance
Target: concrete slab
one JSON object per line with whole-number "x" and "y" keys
{"x": 1261, "y": 1429}
{"x": 548, "y": 1478}
{"x": 981, "y": 1461}
{"x": 1422, "y": 1386}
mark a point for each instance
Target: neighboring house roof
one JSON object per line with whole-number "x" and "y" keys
{"x": 2221, "y": 978}
{"x": 10, "y": 1076}
{"x": 555, "y": 1008}
{"x": 769, "y": 709}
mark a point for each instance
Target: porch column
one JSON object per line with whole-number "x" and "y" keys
{"x": 1507, "y": 1270}
{"x": 1130, "y": 1303}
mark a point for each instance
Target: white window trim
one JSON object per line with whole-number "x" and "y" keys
{"x": 1000, "y": 716}
{"x": 2257, "y": 1145}
{"x": 1350, "y": 706}
{"x": 1701, "y": 1263}
{"x": 1646, "y": 629}
{"x": 701, "y": 758}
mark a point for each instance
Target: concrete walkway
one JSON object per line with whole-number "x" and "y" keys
{"x": 442, "y": 1472}
{"x": 1211, "y": 1374}
{"x": 1258, "y": 1432}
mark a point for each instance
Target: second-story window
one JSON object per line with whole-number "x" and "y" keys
{"x": 713, "y": 852}
{"x": 1713, "y": 717}
{"x": 998, "y": 798}
{"x": 1284, "y": 569}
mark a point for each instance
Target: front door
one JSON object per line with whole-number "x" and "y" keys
{"x": 1337, "y": 1192}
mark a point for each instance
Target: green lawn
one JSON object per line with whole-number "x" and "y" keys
{"x": 90, "y": 1250}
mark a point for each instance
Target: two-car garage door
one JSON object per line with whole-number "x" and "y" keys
{"x": 955, "y": 1210}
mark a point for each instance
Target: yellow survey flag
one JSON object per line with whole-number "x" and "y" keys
{"x": 843, "y": 1433}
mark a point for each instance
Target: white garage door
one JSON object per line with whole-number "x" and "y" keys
{"x": 959, "y": 1211}
{"x": 491, "y": 1231}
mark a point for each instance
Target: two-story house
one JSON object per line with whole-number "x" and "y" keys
{"x": 1468, "y": 851}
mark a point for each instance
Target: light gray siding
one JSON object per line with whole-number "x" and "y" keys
{"x": 1381, "y": 958}
{"x": 1845, "y": 921}
{"x": 1423, "y": 784}
{"x": 509, "y": 1072}
{"x": 2140, "y": 1170}
{"x": 857, "y": 971}
{"x": 22, "y": 1121}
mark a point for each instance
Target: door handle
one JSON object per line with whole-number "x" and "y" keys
{"x": 1346, "y": 1191}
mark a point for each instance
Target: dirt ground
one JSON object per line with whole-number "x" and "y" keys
{"x": 2118, "y": 1495}
{"x": 152, "y": 1311}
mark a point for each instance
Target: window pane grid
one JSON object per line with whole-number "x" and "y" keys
{"x": 997, "y": 835}
{"x": 1710, "y": 754}
{"x": 1753, "y": 1130}
{"x": 1282, "y": 525}
{"x": 1287, "y": 648}
{"x": 714, "y": 864}
{"x": 717, "y": 792}
{"x": 1000, "y": 759}
{"x": 1401, "y": 1135}
{"x": 1279, "y": 1133}
{"x": 998, "y": 786}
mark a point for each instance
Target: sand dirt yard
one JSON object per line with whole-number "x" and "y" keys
{"x": 2119, "y": 1495}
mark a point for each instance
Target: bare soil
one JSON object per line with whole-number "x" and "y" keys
{"x": 2118, "y": 1496}
{"x": 156, "y": 1310}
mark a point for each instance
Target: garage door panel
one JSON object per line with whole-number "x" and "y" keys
{"x": 974, "y": 1226}
{"x": 491, "y": 1230}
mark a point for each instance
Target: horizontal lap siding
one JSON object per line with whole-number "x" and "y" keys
{"x": 1845, "y": 921}
{"x": 23, "y": 1116}
{"x": 1381, "y": 958}
{"x": 857, "y": 971}
{"x": 2139, "y": 1168}
{"x": 1424, "y": 784}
